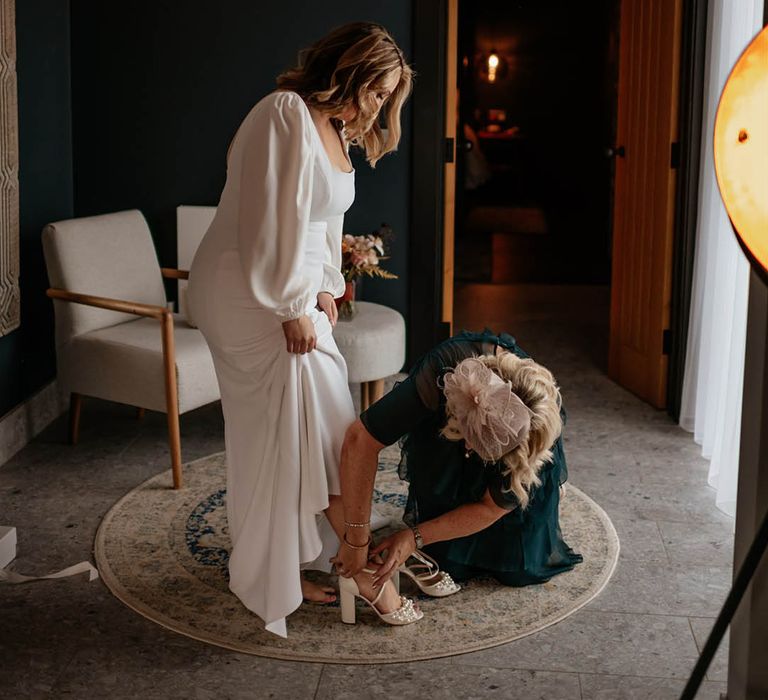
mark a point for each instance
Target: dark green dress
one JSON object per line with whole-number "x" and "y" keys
{"x": 522, "y": 547}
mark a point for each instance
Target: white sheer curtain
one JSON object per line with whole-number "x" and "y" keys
{"x": 714, "y": 366}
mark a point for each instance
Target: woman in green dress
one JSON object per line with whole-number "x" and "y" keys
{"x": 484, "y": 460}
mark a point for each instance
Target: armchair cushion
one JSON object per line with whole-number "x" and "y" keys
{"x": 124, "y": 363}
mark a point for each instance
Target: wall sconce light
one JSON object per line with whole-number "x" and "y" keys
{"x": 492, "y": 66}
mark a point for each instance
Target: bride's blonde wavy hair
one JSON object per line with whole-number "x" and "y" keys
{"x": 538, "y": 390}
{"x": 342, "y": 69}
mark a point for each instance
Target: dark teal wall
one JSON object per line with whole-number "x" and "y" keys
{"x": 125, "y": 105}
{"x": 158, "y": 92}
{"x": 45, "y": 187}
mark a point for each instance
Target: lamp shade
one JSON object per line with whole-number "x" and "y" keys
{"x": 741, "y": 150}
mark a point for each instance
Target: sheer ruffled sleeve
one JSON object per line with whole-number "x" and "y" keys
{"x": 417, "y": 397}
{"x": 396, "y": 413}
{"x": 429, "y": 370}
{"x": 275, "y": 162}
{"x": 333, "y": 280}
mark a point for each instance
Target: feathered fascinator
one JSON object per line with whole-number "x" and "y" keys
{"x": 491, "y": 417}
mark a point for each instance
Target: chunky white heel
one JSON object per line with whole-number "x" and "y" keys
{"x": 404, "y": 615}
{"x": 347, "y": 602}
{"x": 426, "y": 574}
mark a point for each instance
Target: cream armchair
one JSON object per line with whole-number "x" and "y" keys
{"x": 115, "y": 337}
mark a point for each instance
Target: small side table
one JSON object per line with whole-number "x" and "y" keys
{"x": 373, "y": 345}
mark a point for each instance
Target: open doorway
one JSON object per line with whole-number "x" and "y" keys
{"x": 556, "y": 204}
{"x": 536, "y": 119}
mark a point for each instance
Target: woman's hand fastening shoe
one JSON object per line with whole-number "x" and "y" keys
{"x": 399, "y": 546}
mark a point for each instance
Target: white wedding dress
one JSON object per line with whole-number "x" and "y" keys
{"x": 274, "y": 244}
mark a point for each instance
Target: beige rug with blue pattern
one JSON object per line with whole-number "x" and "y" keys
{"x": 164, "y": 554}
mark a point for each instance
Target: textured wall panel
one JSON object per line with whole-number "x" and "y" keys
{"x": 9, "y": 173}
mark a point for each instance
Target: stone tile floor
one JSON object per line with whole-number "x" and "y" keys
{"x": 638, "y": 639}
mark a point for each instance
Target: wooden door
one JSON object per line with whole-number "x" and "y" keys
{"x": 643, "y": 219}
{"x": 449, "y": 174}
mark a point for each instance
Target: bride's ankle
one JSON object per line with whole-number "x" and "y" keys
{"x": 364, "y": 579}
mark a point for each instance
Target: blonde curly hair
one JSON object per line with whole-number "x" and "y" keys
{"x": 344, "y": 68}
{"x": 537, "y": 389}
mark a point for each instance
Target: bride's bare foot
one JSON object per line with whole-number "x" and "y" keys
{"x": 317, "y": 594}
{"x": 389, "y": 601}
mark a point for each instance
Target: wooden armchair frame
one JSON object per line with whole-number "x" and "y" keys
{"x": 165, "y": 316}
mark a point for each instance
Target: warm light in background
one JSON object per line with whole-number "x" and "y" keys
{"x": 741, "y": 149}
{"x": 493, "y": 64}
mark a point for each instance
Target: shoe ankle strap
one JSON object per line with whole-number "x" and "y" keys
{"x": 427, "y": 561}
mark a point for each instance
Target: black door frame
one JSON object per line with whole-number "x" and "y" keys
{"x": 690, "y": 117}
{"x": 425, "y": 249}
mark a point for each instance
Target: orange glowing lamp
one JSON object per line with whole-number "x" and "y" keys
{"x": 741, "y": 151}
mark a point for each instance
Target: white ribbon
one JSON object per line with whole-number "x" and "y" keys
{"x": 12, "y": 577}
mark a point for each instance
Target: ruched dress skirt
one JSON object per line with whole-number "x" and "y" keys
{"x": 285, "y": 414}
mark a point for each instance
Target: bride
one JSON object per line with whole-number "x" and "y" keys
{"x": 261, "y": 290}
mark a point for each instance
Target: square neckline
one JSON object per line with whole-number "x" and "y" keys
{"x": 320, "y": 139}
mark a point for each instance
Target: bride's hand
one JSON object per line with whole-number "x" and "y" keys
{"x": 300, "y": 335}
{"x": 326, "y": 304}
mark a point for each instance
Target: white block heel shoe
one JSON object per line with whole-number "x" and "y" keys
{"x": 404, "y": 615}
{"x": 426, "y": 574}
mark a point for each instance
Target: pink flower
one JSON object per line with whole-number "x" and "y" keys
{"x": 361, "y": 255}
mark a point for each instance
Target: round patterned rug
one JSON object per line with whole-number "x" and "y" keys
{"x": 164, "y": 553}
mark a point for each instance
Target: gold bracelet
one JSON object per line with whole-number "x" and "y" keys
{"x": 357, "y": 546}
{"x": 357, "y": 524}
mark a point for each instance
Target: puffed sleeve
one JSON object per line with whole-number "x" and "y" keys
{"x": 396, "y": 413}
{"x": 276, "y": 166}
{"x": 333, "y": 280}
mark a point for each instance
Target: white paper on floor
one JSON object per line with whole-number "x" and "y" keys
{"x": 8, "y": 554}
{"x": 12, "y": 577}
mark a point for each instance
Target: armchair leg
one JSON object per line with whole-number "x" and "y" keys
{"x": 376, "y": 390}
{"x": 171, "y": 397}
{"x": 140, "y": 412}
{"x": 174, "y": 440}
{"x": 75, "y": 403}
{"x": 364, "y": 396}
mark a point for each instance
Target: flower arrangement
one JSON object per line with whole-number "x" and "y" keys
{"x": 360, "y": 256}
